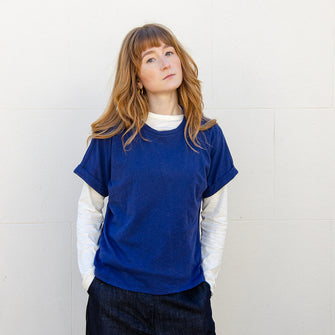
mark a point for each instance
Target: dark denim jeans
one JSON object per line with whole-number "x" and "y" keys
{"x": 115, "y": 311}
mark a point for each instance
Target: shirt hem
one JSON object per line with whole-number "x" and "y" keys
{"x": 221, "y": 182}
{"x": 90, "y": 180}
{"x": 152, "y": 292}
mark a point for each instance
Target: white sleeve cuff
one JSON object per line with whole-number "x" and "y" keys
{"x": 87, "y": 281}
{"x": 213, "y": 233}
{"x": 89, "y": 225}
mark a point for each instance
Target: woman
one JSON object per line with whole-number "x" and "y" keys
{"x": 161, "y": 163}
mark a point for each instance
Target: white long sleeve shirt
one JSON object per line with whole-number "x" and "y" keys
{"x": 213, "y": 221}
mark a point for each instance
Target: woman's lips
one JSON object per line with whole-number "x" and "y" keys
{"x": 168, "y": 76}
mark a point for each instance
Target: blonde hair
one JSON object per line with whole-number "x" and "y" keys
{"x": 128, "y": 110}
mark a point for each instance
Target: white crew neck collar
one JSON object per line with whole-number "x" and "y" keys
{"x": 165, "y": 117}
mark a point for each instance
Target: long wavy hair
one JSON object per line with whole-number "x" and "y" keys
{"x": 128, "y": 108}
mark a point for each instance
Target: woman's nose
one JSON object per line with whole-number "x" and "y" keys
{"x": 164, "y": 63}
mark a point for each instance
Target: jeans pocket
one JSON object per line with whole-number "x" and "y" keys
{"x": 91, "y": 285}
{"x": 208, "y": 288}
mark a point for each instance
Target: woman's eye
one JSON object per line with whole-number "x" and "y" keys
{"x": 169, "y": 53}
{"x": 150, "y": 60}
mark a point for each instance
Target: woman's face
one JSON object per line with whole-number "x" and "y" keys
{"x": 160, "y": 70}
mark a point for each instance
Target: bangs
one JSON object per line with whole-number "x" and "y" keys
{"x": 148, "y": 37}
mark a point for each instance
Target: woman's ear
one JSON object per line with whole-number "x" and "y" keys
{"x": 139, "y": 84}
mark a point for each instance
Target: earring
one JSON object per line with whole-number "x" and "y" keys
{"x": 140, "y": 90}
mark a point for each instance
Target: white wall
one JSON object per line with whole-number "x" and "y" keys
{"x": 268, "y": 76}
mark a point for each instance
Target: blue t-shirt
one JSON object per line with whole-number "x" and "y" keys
{"x": 150, "y": 240}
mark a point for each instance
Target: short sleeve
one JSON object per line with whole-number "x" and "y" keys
{"x": 222, "y": 169}
{"x": 94, "y": 169}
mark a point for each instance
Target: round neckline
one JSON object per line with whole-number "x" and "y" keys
{"x": 166, "y": 117}
{"x": 166, "y": 132}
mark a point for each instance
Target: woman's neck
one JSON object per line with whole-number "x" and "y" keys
{"x": 165, "y": 105}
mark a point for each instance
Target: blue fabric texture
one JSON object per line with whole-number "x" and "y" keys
{"x": 150, "y": 240}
